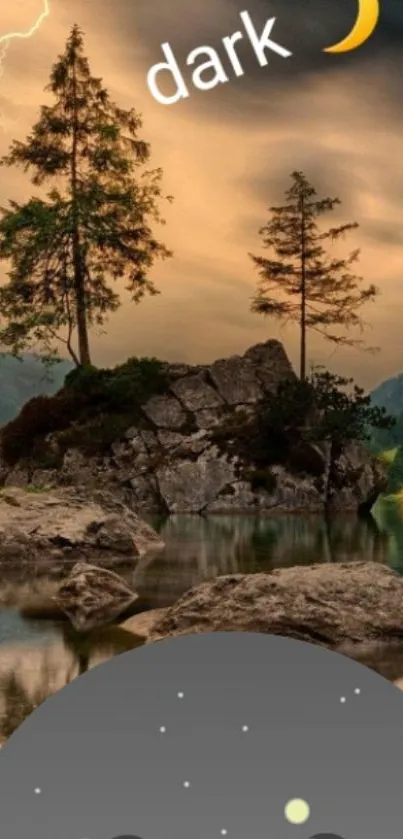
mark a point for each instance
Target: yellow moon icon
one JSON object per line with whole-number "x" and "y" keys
{"x": 367, "y": 19}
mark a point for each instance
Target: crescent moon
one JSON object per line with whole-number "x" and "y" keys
{"x": 367, "y": 19}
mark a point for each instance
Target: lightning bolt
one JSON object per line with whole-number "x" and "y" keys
{"x": 5, "y": 40}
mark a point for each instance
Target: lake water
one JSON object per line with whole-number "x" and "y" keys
{"x": 38, "y": 656}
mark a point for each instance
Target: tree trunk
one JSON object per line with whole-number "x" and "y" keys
{"x": 81, "y": 314}
{"x": 303, "y": 295}
{"x": 79, "y": 277}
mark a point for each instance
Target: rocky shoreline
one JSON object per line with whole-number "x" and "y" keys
{"x": 52, "y": 530}
{"x": 353, "y": 608}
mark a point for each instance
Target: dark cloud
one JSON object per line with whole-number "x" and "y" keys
{"x": 305, "y": 28}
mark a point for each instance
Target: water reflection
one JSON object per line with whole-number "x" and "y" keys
{"x": 30, "y": 673}
{"x": 388, "y": 515}
{"x": 40, "y": 652}
{"x": 200, "y": 548}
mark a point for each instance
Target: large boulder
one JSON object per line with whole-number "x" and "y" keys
{"x": 54, "y": 527}
{"x": 329, "y": 605}
{"x": 92, "y": 597}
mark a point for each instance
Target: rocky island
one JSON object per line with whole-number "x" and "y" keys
{"x": 166, "y": 451}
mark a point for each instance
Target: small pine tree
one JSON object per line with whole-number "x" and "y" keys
{"x": 93, "y": 228}
{"x": 300, "y": 283}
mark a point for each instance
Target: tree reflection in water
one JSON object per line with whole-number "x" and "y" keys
{"x": 75, "y": 655}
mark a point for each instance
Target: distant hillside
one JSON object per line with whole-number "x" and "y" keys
{"x": 389, "y": 395}
{"x": 21, "y": 380}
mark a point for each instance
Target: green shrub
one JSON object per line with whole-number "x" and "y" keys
{"x": 91, "y": 411}
{"x": 303, "y": 457}
{"x": 289, "y": 423}
{"x": 96, "y": 436}
{"x": 39, "y": 417}
{"x": 395, "y": 481}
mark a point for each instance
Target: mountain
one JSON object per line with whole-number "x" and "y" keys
{"x": 389, "y": 395}
{"x": 20, "y": 380}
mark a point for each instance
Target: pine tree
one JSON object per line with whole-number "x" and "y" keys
{"x": 65, "y": 252}
{"x": 301, "y": 283}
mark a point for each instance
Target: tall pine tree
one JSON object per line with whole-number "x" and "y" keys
{"x": 300, "y": 282}
{"x": 94, "y": 226}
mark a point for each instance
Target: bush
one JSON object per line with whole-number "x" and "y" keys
{"x": 94, "y": 437}
{"x": 290, "y": 423}
{"x": 303, "y": 457}
{"x": 395, "y": 481}
{"x": 92, "y": 410}
{"x": 39, "y": 417}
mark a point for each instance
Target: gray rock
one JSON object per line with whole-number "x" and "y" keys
{"x": 150, "y": 440}
{"x": 17, "y": 478}
{"x": 92, "y": 597}
{"x": 59, "y": 526}
{"x": 331, "y": 605}
{"x": 145, "y": 493}
{"x": 77, "y": 470}
{"x": 209, "y": 418}
{"x": 190, "y": 486}
{"x": 236, "y": 497}
{"x": 291, "y": 493}
{"x": 271, "y": 364}
{"x": 181, "y": 445}
{"x": 165, "y": 412}
{"x": 170, "y": 439}
{"x": 356, "y": 480}
{"x": 236, "y": 380}
{"x": 44, "y": 478}
{"x": 195, "y": 393}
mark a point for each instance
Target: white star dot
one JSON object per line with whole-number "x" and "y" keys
{"x": 357, "y": 691}
{"x": 223, "y": 832}
{"x": 186, "y": 784}
{"x": 180, "y": 695}
{"x": 162, "y": 729}
{"x": 245, "y": 728}
{"x": 38, "y": 790}
{"x": 342, "y": 699}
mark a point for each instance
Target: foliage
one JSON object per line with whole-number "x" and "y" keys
{"x": 299, "y": 283}
{"x": 389, "y": 438}
{"x": 93, "y": 409}
{"x": 93, "y": 227}
{"x": 388, "y": 456}
{"x": 345, "y": 411}
{"x": 395, "y": 482}
{"x": 291, "y": 424}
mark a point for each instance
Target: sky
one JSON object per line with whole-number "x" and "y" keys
{"x": 227, "y": 155}
{"x": 210, "y": 736}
